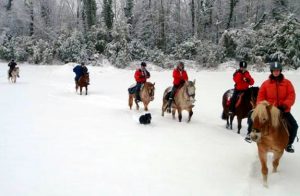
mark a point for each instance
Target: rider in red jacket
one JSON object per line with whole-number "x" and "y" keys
{"x": 243, "y": 80}
{"x": 141, "y": 75}
{"x": 179, "y": 76}
{"x": 279, "y": 91}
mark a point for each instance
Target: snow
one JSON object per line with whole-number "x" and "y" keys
{"x": 56, "y": 142}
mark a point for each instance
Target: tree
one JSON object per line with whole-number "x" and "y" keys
{"x": 108, "y": 14}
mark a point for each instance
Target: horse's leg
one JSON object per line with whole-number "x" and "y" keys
{"x": 80, "y": 90}
{"x": 231, "y": 117}
{"x": 263, "y": 161}
{"x": 190, "y": 115}
{"x": 239, "y": 125}
{"x": 130, "y": 100}
{"x": 137, "y": 104}
{"x": 276, "y": 158}
{"x": 173, "y": 112}
{"x": 179, "y": 114}
{"x": 86, "y": 90}
{"x": 145, "y": 105}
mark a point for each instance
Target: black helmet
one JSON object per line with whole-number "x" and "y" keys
{"x": 275, "y": 66}
{"x": 143, "y": 64}
{"x": 243, "y": 64}
{"x": 82, "y": 63}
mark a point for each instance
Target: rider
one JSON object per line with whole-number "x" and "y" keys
{"x": 141, "y": 75}
{"x": 12, "y": 64}
{"x": 180, "y": 76}
{"x": 80, "y": 70}
{"x": 279, "y": 91}
{"x": 243, "y": 80}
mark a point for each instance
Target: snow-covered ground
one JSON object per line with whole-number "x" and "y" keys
{"x": 54, "y": 142}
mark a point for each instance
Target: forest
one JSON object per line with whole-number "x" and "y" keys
{"x": 208, "y": 32}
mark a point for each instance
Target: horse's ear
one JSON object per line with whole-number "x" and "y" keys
{"x": 153, "y": 83}
{"x": 194, "y": 81}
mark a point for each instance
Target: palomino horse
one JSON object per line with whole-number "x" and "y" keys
{"x": 146, "y": 95}
{"x": 14, "y": 74}
{"x": 184, "y": 99}
{"x": 83, "y": 82}
{"x": 246, "y": 102}
{"x": 270, "y": 133}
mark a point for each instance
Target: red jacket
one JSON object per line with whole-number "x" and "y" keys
{"x": 141, "y": 76}
{"x": 242, "y": 80}
{"x": 277, "y": 92}
{"x": 179, "y": 76}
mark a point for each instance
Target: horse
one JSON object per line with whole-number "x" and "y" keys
{"x": 146, "y": 95}
{"x": 184, "y": 99}
{"x": 83, "y": 81}
{"x": 270, "y": 132}
{"x": 14, "y": 74}
{"x": 245, "y": 103}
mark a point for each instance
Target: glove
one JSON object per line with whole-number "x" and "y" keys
{"x": 246, "y": 80}
{"x": 282, "y": 108}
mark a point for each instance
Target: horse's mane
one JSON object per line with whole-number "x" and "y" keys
{"x": 252, "y": 91}
{"x": 261, "y": 112}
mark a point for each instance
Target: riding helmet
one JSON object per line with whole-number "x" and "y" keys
{"x": 275, "y": 66}
{"x": 243, "y": 64}
{"x": 143, "y": 64}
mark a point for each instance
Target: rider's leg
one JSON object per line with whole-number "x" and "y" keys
{"x": 293, "y": 128}
{"x": 137, "y": 91}
{"x": 233, "y": 101}
{"x": 171, "y": 97}
{"x": 250, "y": 123}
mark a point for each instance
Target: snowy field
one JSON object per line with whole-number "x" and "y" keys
{"x": 54, "y": 142}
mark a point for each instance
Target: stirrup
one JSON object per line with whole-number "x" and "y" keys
{"x": 248, "y": 138}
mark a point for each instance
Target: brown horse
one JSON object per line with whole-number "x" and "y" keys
{"x": 270, "y": 133}
{"x": 146, "y": 95}
{"x": 245, "y": 103}
{"x": 14, "y": 74}
{"x": 83, "y": 82}
{"x": 184, "y": 99}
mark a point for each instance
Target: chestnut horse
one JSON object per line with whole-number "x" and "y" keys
{"x": 184, "y": 99}
{"x": 83, "y": 82}
{"x": 146, "y": 95}
{"x": 246, "y": 102}
{"x": 14, "y": 74}
{"x": 270, "y": 133}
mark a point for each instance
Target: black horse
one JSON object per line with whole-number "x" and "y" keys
{"x": 245, "y": 103}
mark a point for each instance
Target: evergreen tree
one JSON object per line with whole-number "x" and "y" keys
{"x": 108, "y": 14}
{"x": 89, "y": 9}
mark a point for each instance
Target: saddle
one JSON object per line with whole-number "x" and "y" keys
{"x": 238, "y": 101}
{"x": 132, "y": 88}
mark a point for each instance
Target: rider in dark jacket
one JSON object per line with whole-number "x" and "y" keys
{"x": 12, "y": 64}
{"x": 80, "y": 70}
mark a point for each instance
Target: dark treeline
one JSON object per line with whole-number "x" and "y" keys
{"x": 161, "y": 31}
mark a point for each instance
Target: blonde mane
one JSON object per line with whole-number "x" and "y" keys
{"x": 261, "y": 112}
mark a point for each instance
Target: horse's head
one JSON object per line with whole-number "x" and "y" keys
{"x": 150, "y": 88}
{"x": 190, "y": 90}
{"x": 264, "y": 117}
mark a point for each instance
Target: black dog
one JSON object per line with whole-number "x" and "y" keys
{"x": 145, "y": 119}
